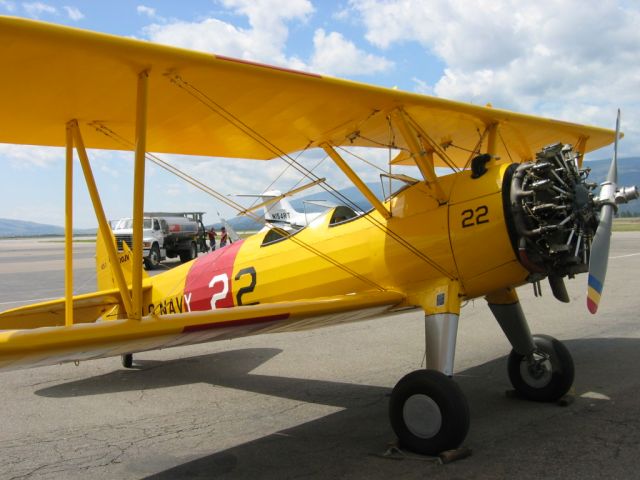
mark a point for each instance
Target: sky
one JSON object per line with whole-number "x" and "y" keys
{"x": 577, "y": 60}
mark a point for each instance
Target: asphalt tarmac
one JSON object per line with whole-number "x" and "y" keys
{"x": 314, "y": 404}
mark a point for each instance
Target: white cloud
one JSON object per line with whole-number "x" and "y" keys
{"x": 335, "y": 55}
{"x": 74, "y": 13}
{"x": 269, "y": 13}
{"x": 7, "y": 5}
{"x": 36, "y": 9}
{"x": 342, "y": 14}
{"x": 149, "y": 12}
{"x": 27, "y": 157}
{"x": 175, "y": 190}
{"x": 265, "y": 40}
{"x": 567, "y": 59}
{"x": 422, "y": 87}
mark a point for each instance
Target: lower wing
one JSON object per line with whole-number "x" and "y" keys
{"x": 48, "y": 345}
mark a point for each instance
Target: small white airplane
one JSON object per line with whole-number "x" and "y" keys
{"x": 278, "y": 211}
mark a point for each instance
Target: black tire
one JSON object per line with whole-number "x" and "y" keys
{"x": 550, "y": 379}
{"x": 127, "y": 360}
{"x": 428, "y": 412}
{"x": 153, "y": 259}
{"x": 187, "y": 255}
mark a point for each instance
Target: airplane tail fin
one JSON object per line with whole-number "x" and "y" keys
{"x": 275, "y": 207}
{"x": 104, "y": 271}
{"x": 280, "y": 211}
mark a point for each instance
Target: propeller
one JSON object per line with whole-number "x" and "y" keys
{"x": 599, "y": 257}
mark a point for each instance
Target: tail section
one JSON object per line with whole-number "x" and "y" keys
{"x": 105, "y": 277}
{"x": 280, "y": 211}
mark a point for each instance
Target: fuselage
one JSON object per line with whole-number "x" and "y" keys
{"x": 464, "y": 240}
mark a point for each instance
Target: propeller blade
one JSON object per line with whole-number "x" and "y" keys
{"x": 613, "y": 168}
{"x": 601, "y": 241}
{"x": 599, "y": 258}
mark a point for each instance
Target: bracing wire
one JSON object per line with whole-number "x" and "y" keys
{"x": 476, "y": 149}
{"x": 437, "y": 148}
{"x": 283, "y": 172}
{"x": 362, "y": 159}
{"x": 234, "y": 205}
{"x": 267, "y": 144}
{"x": 172, "y": 169}
{"x": 505, "y": 146}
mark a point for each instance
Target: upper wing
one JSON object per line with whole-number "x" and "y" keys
{"x": 211, "y": 105}
{"x": 30, "y": 347}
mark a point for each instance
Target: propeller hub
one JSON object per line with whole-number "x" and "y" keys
{"x": 626, "y": 194}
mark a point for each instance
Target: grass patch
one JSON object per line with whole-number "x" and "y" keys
{"x": 80, "y": 240}
{"x": 631, "y": 224}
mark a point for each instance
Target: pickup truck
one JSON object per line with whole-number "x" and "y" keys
{"x": 163, "y": 237}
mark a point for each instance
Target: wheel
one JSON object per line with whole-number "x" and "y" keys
{"x": 428, "y": 412}
{"x": 153, "y": 259}
{"x": 190, "y": 254}
{"x": 127, "y": 360}
{"x": 549, "y": 377}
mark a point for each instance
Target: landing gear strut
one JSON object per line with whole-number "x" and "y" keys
{"x": 127, "y": 360}
{"x": 427, "y": 410}
{"x": 540, "y": 367}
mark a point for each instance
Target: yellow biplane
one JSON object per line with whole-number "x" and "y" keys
{"x": 517, "y": 207}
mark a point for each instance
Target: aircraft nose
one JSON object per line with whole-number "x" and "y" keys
{"x": 555, "y": 214}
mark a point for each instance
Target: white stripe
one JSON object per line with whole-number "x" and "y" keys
{"x": 625, "y": 256}
{"x": 35, "y": 300}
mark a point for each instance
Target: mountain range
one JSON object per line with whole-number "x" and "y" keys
{"x": 20, "y": 228}
{"x": 628, "y": 174}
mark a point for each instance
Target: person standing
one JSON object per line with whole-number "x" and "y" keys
{"x": 212, "y": 238}
{"x": 224, "y": 238}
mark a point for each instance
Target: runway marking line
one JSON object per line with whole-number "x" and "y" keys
{"x": 35, "y": 300}
{"x": 625, "y": 256}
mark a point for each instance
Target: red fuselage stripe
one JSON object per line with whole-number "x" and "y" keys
{"x": 210, "y": 279}
{"x": 235, "y": 323}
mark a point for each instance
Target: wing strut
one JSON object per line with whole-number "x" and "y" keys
{"x": 492, "y": 139}
{"x": 68, "y": 229}
{"x": 104, "y": 228}
{"x": 335, "y": 156}
{"x": 138, "y": 195}
{"x": 423, "y": 159}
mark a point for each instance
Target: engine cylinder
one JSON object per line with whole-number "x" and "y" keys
{"x": 553, "y": 213}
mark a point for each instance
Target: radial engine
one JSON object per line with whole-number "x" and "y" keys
{"x": 553, "y": 216}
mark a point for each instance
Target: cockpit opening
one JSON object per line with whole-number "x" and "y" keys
{"x": 342, "y": 214}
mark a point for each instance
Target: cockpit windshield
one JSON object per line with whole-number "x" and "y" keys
{"x": 339, "y": 215}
